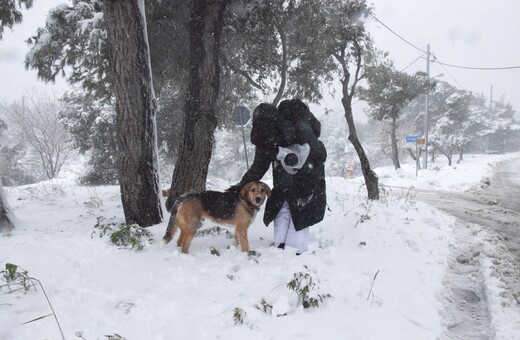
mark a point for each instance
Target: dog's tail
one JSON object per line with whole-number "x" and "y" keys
{"x": 172, "y": 227}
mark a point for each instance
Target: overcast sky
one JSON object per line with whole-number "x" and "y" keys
{"x": 14, "y": 79}
{"x": 470, "y": 33}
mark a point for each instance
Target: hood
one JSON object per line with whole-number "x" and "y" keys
{"x": 297, "y": 111}
{"x": 270, "y": 130}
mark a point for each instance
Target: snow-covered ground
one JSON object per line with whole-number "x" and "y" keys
{"x": 382, "y": 263}
{"x": 463, "y": 176}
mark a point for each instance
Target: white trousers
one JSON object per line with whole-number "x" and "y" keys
{"x": 284, "y": 231}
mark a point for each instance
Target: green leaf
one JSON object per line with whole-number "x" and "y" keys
{"x": 10, "y": 273}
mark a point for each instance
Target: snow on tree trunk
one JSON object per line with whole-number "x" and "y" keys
{"x": 6, "y": 217}
{"x": 191, "y": 169}
{"x": 135, "y": 107}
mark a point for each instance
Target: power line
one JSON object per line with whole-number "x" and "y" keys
{"x": 400, "y": 37}
{"x": 447, "y": 72}
{"x": 413, "y": 62}
{"x": 451, "y": 76}
{"x": 477, "y": 68}
{"x": 441, "y": 63}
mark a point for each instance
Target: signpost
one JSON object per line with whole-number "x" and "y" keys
{"x": 411, "y": 139}
{"x": 417, "y": 142}
{"x": 241, "y": 117}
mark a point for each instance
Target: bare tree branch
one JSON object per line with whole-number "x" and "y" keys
{"x": 37, "y": 124}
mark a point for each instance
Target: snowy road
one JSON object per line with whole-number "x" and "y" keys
{"x": 495, "y": 207}
{"x": 487, "y": 245}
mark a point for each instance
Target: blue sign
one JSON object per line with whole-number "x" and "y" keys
{"x": 241, "y": 115}
{"x": 411, "y": 139}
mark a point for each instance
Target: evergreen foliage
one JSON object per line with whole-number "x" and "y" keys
{"x": 277, "y": 42}
{"x": 388, "y": 92}
{"x": 461, "y": 121}
{"x": 349, "y": 45}
{"x": 129, "y": 236}
{"x": 73, "y": 43}
{"x": 269, "y": 48}
{"x": 91, "y": 122}
{"x": 10, "y": 13}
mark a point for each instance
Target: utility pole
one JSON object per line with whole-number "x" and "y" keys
{"x": 491, "y": 99}
{"x": 426, "y": 109}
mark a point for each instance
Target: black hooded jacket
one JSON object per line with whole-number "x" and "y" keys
{"x": 292, "y": 123}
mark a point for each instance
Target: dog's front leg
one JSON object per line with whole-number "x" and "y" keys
{"x": 241, "y": 236}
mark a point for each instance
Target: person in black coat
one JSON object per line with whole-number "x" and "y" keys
{"x": 298, "y": 197}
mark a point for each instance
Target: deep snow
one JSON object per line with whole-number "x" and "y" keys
{"x": 383, "y": 263}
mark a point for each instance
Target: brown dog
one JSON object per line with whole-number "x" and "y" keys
{"x": 222, "y": 207}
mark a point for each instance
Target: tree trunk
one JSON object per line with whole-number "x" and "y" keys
{"x": 461, "y": 155}
{"x": 448, "y": 153}
{"x": 283, "y": 65}
{"x": 371, "y": 179}
{"x": 135, "y": 107}
{"x": 191, "y": 169}
{"x": 6, "y": 224}
{"x": 395, "y": 151}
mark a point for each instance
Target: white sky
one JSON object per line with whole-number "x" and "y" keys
{"x": 14, "y": 79}
{"x": 477, "y": 33}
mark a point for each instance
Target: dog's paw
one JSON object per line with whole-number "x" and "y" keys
{"x": 252, "y": 253}
{"x": 162, "y": 244}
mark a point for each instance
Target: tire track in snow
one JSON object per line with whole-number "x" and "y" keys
{"x": 466, "y": 314}
{"x": 483, "y": 277}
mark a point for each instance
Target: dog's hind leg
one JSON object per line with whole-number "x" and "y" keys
{"x": 188, "y": 234}
{"x": 186, "y": 241}
{"x": 180, "y": 240}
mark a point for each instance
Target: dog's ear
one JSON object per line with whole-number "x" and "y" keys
{"x": 267, "y": 189}
{"x": 245, "y": 189}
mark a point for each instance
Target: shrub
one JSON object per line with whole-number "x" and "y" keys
{"x": 239, "y": 316}
{"x": 129, "y": 235}
{"x": 15, "y": 276}
{"x": 305, "y": 287}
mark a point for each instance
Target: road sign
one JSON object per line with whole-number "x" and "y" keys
{"x": 411, "y": 139}
{"x": 421, "y": 141}
{"x": 241, "y": 115}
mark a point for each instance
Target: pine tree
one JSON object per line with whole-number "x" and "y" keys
{"x": 135, "y": 108}
{"x": 10, "y": 13}
{"x": 200, "y": 117}
{"x": 276, "y": 42}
